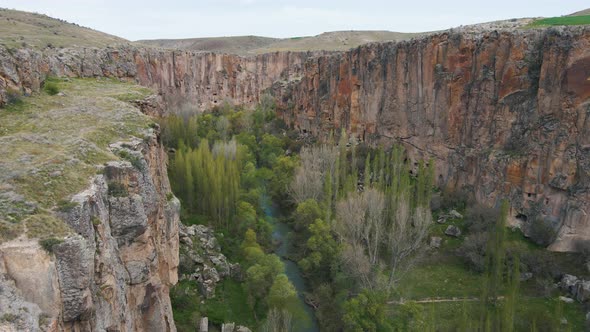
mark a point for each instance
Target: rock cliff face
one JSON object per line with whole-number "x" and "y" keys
{"x": 114, "y": 274}
{"x": 504, "y": 113}
{"x": 204, "y": 79}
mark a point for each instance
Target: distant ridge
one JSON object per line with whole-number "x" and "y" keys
{"x": 250, "y": 45}
{"x": 581, "y": 13}
{"x": 23, "y": 29}
{"x": 238, "y": 44}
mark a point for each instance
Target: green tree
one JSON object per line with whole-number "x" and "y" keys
{"x": 367, "y": 172}
{"x": 366, "y": 312}
{"x": 321, "y": 250}
{"x": 306, "y": 213}
{"x": 510, "y": 300}
{"x": 495, "y": 256}
{"x": 271, "y": 147}
{"x": 282, "y": 294}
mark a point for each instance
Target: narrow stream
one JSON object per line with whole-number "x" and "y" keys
{"x": 281, "y": 235}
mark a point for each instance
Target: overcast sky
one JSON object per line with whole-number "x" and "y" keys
{"x": 150, "y": 19}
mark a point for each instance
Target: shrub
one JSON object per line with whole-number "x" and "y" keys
{"x": 117, "y": 189}
{"x": 132, "y": 158}
{"x": 480, "y": 218}
{"x": 454, "y": 199}
{"x": 66, "y": 206}
{"x": 169, "y": 196}
{"x": 541, "y": 263}
{"x": 583, "y": 247}
{"x": 49, "y": 243}
{"x": 8, "y": 317}
{"x": 13, "y": 96}
{"x": 542, "y": 232}
{"x": 473, "y": 251}
{"x": 51, "y": 88}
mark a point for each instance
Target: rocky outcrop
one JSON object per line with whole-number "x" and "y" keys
{"x": 114, "y": 273}
{"x": 201, "y": 259}
{"x": 577, "y": 288}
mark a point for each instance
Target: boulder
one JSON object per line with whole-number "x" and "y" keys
{"x": 526, "y": 276}
{"x": 583, "y": 291}
{"x": 453, "y": 231}
{"x": 566, "y": 299}
{"x": 228, "y": 327}
{"x": 204, "y": 324}
{"x": 568, "y": 283}
{"x": 455, "y": 214}
{"x": 435, "y": 241}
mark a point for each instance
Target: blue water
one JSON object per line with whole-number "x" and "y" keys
{"x": 281, "y": 235}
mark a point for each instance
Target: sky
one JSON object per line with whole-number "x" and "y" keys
{"x": 153, "y": 19}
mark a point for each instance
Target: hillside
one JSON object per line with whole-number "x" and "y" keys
{"x": 24, "y": 29}
{"x": 251, "y": 45}
{"x": 237, "y": 45}
{"x": 581, "y": 13}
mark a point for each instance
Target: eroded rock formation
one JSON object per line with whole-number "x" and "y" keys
{"x": 114, "y": 274}
{"x": 201, "y": 260}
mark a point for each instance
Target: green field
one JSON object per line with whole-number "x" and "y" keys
{"x": 565, "y": 20}
{"x": 434, "y": 289}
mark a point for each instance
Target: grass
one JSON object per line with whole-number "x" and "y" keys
{"x": 439, "y": 273}
{"x": 20, "y": 29}
{"x": 564, "y": 20}
{"x": 51, "y": 146}
{"x": 230, "y": 305}
{"x": 445, "y": 277}
{"x": 544, "y": 312}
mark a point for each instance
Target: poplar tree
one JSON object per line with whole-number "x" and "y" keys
{"x": 367, "y": 175}
{"x": 495, "y": 256}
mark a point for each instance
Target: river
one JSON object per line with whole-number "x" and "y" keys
{"x": 281, "y": 235}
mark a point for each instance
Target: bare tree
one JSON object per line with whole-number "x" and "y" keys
{"x": 351, "y": 220}
{"x": 308, "y": 182}
{"x": 356, "y": 264}
{"x": 406, "y": 234}
{"x": 375, "y": 216}
{"x": 278, "y": 321}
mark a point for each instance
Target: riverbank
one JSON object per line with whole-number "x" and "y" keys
{"x": 280, "y": 235}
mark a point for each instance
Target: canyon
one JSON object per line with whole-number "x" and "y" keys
{"x": 502, "y": 112}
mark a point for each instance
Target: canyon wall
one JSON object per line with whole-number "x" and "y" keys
{"x": 203, "y": 79}
{"x": 503, "y": 113}
{"x": 115, "y": 271}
